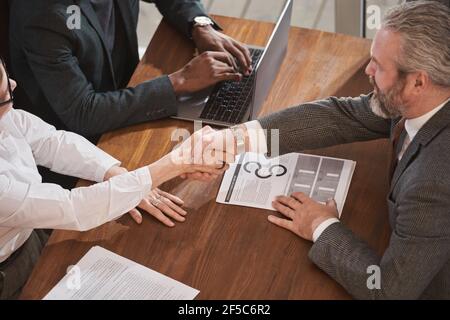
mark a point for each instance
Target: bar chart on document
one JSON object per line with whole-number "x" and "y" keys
{"x": 317, "y": 177}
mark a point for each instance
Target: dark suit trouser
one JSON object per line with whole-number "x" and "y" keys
{"x": 14, "y": 272}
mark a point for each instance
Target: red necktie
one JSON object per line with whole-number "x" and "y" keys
{"x": 397, "y": 132}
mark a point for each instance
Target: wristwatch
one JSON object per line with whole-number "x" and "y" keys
{"x": 238, "y": 134}
{"x": 202, "y": 21}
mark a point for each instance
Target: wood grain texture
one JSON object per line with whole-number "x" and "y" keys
{"x": 230, "y": 252}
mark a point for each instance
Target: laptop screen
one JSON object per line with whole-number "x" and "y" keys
{"x": 272, "y": 58}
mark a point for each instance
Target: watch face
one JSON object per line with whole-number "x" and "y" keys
{"x": 203, "y": 20}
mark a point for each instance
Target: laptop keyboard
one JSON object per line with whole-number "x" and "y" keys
{"x": 230, "y": 100}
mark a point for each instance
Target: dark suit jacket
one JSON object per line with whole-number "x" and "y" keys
{"x": 416, "y": 263}
{"x": 69, "y": 76}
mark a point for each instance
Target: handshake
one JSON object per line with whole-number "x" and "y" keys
{"x": 203, "y": 156}
{"x": 206, "y": 154}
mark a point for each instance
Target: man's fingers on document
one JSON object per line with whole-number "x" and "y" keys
{"x": 288, "y": 201}
{"x": 136, "y": 215}
{"x": 288, "y": 212}
{"x": 300, "y": 196}
{"x": 287, "y": 224}
{"x": 331, "y": 203}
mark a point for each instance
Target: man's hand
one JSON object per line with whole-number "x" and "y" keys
{"x": 208, "y": 39}
{"x": 304, "y": 214}
{"x": 204, "y": 71}
{"x": 161, "y": 205}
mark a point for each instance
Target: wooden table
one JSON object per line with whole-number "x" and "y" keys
{"x": 231, "y": 252}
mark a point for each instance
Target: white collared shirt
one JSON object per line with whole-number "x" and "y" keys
{"x": 412, "y": 127}
{"x": 26, "y": 203}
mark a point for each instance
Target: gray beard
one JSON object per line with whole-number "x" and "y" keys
{"x": 380, "y": 110}
{"x": 387, "y": 105}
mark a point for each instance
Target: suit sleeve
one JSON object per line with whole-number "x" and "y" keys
{"x": 419, "y": 247}
{"x": 72, "y": 96}
{"x": 180, "y": 13}
{"x": 325, "y": 123}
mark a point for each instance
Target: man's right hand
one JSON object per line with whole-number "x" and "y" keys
{"x": 204, "y": 71}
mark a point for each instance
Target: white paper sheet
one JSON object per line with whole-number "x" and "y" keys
{"x": 255, "y": 181}
{"x": 104, "y": 275}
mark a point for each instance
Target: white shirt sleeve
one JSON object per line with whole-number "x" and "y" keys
{"x": 321, "y": 227}
{"x": 42, "y": 205}
{"x": 63, "y": 152}
{"x": 256, "y": 137}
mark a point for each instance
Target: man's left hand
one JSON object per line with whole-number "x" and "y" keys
{"x": 303, "y": 213}
{"x": 208, "y": 39}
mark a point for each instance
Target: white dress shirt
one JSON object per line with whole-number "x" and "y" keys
{"x": 412, "y": 127}
{"x": 27, "y": 203}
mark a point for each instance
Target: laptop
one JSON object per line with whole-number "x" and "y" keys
{"x": 229, "y": 103}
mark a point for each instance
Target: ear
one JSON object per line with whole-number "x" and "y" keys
{"x": 419, "y": 81}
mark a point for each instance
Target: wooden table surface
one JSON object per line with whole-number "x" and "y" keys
{"x": 231, "y": 252}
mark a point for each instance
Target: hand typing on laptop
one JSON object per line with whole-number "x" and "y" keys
{"x": 208, "y": 39}
{"x": 221, "y": 58}
{"x": 204, "y": 71}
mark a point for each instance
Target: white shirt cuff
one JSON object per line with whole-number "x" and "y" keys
{"x": 321, "y": 228}
{"x": 106, "y": 163}
{"x": 256, "y": 137}
{"x": 145, "y": 180}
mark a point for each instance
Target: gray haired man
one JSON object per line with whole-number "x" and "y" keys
{"x": 410, "y": 104}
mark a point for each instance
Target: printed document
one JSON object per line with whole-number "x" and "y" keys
{"x": 104, "y": 275}
{"x": 255, "y": 181}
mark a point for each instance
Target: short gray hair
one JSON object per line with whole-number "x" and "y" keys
{"x": 425, "y": 30}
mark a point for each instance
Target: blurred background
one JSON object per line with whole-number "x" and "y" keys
{"x": 343, "y": 16}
